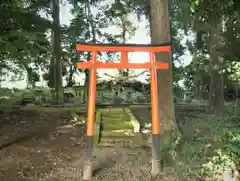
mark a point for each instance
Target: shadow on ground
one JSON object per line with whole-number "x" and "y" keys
{"x": 38, "y": 145}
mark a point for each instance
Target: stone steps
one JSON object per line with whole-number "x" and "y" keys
{"x": 118, "y": 128}
{"x": 135, "y": 140}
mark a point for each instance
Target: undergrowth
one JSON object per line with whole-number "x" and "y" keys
{"x": 211, "y": 147}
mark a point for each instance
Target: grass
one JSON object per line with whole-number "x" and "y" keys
{"x": 203, "y": 146}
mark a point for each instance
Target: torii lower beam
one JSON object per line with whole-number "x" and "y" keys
{"x": 93, "y": 65}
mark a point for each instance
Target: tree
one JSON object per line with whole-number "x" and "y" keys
{"x": 118, "y": 14}
{"x": 69, "y": 55}
{"x": 197, "y": 75}
{"x": 160, "y": 33}
{"x": 91, "y": 27}
{"x": 57, "y": 51}
{"x": 207, "y": 19}
{"x": 23, "y": 39}
{"x": 85, "y": 27}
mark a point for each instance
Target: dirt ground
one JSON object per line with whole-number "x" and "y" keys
{"x": 37, "y": 145}
{"x": 40, "y": 146}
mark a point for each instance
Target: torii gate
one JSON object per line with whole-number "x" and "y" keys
{"x": 93, "y": 65}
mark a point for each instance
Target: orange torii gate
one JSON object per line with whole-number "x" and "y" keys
{"x": 93, "y": 65}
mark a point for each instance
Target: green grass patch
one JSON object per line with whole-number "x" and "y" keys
{"x": 207, "y": 149}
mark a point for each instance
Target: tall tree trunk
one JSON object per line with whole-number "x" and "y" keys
{"x": 124, "y": 28}
{"x": 30, "y": 81}
{"x": 123, "y": 41}
{"x": 216, "y": 93}
{"x": 1, "y": 76}
{"x": 198, "y": 88}
{"x": 52, "y": 71}
{"x": 160, "y": 33}
{"x": 87, "y": 79}
{"x": 70, "y": 81}
{"x": 57, "y": 49}
{"x": 92, "y": 29}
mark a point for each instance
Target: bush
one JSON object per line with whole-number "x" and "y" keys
{"x": 231, "y": 140}
{"x": 178, "y": 93}
{"x": 5, "y": 92}
{"x": 232, "y": 148}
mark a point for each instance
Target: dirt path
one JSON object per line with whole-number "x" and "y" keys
{"x": 35, "y": 146}
{"x": 40, "y": 146}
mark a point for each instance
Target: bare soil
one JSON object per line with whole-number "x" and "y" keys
{"x": 44, "y": 146}
{"x": 49, "y": 146}
{"x": 37, "y": 145}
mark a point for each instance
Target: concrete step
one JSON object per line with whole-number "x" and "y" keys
{"x": 119, "y": 128}
{"x": 124, "y": 141}
{"x": 120, "y": 124}
{"x": 119, "y": 116}
{"x": 114, "y": 141}
{"x": 117, "y": 133}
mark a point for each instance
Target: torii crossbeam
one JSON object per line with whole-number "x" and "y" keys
{"x": 93, "y": 65}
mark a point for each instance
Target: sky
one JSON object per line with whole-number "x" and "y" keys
{"x": 141, "y": 37}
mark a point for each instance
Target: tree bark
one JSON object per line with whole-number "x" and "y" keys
{"x": 86, "y": 84}
{"x": 198, "y": 88}
{"x": 160, "y": 33}
{"x": 216, "y": 93}
{"x": 92, "y": 28}
{"x": 30, "y": 82}
{"x": 57, "y": 52}
{"x": 52, "y": 71}
{"x": 70, "y": 81}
